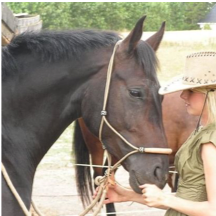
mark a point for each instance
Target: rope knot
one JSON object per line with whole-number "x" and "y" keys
{"x": 99, "y": 180}
{"x": 103, "y": 112}
{"x": 141, "y": 149}
{"x": 107, "y": 173}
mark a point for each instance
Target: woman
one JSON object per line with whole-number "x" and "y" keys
{"x": 196, "y": 159}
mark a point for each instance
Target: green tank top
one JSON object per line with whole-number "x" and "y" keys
{"x": 189, "y": 165}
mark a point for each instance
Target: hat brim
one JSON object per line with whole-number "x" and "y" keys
{"x": 176, "y": 85}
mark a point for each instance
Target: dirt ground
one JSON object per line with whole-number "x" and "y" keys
{"x": 55, "y": 194}
{"x": 54, "y": 190}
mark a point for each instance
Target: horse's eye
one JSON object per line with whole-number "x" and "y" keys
{"x": 135, "y": 93}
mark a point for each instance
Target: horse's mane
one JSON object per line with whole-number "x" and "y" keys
{"x": 56, "y": 45}
{"x": 147, "y": 58}
{"x": 9, "y": 66}
{"x": 52, "y": 46}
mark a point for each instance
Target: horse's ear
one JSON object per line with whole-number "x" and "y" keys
{"x": 155, "y": 40}
{"x": 130, "y": 42}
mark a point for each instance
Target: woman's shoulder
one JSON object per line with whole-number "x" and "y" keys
{"x": 208, "y": 134}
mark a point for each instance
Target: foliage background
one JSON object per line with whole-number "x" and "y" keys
{"x": 117, "y": 16}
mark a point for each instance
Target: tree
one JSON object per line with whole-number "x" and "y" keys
{"x": 194, "y": 11}
{"x": 115, "y": 15}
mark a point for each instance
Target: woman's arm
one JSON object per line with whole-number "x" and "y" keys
{"x": 187, "y": 207}
{"x": 154, "y": 197}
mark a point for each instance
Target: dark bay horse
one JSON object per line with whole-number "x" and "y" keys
{"x": 178, "y": 125}
{"x": 49, "y": 79}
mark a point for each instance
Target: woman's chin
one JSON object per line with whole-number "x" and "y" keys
{"x": 192, "y": 112}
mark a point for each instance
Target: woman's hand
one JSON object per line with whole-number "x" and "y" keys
{"x": 116, "y": 193}
{"x": 154, "y": 196}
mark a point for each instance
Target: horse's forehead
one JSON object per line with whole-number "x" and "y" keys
{"x": 143, "y": 82}
{"x": 143, "y": 58}
{"x": 128, "y": 64}
{"x": 131, "y": 71}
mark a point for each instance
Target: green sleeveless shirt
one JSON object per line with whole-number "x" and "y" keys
{"x": 189, "y": 165}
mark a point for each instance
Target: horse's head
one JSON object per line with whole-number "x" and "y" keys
{"x": 133, "y": 106}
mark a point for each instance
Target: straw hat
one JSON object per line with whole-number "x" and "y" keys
{"x": 200, "y": 71}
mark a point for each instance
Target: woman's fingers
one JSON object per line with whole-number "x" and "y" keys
{"x": 145, "y": 186}
{"x": 97, "y": 189}
{"x": 107, "y": 201}
{"x": 95, "y": 193}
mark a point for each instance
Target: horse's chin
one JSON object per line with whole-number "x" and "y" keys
{"x": 134, "y": 183}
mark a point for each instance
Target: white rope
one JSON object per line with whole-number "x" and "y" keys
{"x": 101, "y": 166}
{"x": 107, "y": 86}
{"x": 89, "y": 165}
{"x": 171, "y": 166}
{"x": 173, "y": 171}
{"x": 17, "y": 196}
{"x": 13, "y": 190}
{"x": 36, "y": 209}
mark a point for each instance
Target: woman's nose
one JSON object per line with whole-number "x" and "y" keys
{"x": 184, "y": 95}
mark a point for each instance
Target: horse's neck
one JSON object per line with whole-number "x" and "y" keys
{"x": 32, "y": 114}
{"x": 29, "y": 128}
{"x": 38, "y": 108}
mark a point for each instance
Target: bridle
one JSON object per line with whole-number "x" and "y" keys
{"x": 104, "y": 119}
{"x": 105, "y": 181}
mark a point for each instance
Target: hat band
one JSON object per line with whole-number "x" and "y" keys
{"x": 194, "y": 81}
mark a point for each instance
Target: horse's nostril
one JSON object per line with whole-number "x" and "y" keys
{"x": 158, "y": 173}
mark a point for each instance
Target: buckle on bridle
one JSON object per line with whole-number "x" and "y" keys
{"x": 103, "y": 112}
{"x": 141, "y": 149}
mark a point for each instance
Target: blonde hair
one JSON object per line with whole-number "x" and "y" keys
{"x": 211, "y": 101}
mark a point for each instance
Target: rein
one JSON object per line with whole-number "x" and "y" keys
{"x": 17, "y": 196}
{"x": 14, "y": 191}
{"x": 105, "y": 181}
